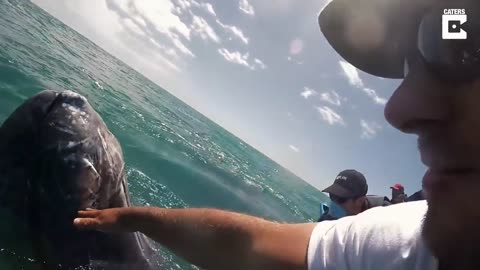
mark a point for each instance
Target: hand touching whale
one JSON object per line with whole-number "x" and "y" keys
{"x": 114, "y": 220}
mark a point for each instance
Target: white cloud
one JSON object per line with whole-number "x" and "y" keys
{"x": 332, "y": 97}
{"x": 369, "y": 129}
{"x": 290, "y": 59}
{"x": 160, "y": 15}
{"x": 246, "y": 7}
{"x": 330, "y": 116}
{"x": 185, "y": 4}
{"x": 204, "y": 30}
{"x": 237, "y": 57}
{"x": 260, "y": 64}
{"x": 209, "y": 8}
{"x": 140, "y": 21}
{"x": 124, "y": 6}
{"x": 373, "y": 94}
{"x": 169, "y": 51}
{"x": 294, "y": 148}
{"x": 201, "y": 27}
{"x": 181, "y": 47}
{"x": 351, "y": 73}
{"x": 130, "y": 25}
{"x": 308, "y": 92}
{"x": 237, "y": 32}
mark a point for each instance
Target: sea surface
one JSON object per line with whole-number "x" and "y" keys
{"x": 175, "y": 156}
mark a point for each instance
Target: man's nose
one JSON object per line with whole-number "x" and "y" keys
{"x": 421, "y": 100}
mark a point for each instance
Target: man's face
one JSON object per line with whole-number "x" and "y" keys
{"x": 446, "y": 119}
{"x": 396, "y": 192}
{"x": 355, "y": 206}
{"x": 398, "y": 196}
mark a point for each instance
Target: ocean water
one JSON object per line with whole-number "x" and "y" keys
{"x": 175, "y": 156}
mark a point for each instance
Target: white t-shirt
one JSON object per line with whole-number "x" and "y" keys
{"x": 382, "y": 238}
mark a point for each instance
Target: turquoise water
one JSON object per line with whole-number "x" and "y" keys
{"x": 175, "y": 156}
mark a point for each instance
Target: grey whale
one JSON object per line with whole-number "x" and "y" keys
{"x": 57, "y": 156}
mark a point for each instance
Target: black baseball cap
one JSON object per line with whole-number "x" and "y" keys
{"x": 348, "y": 184}
{"x": 384, "y": 37}
{"x": 372, "y": 35}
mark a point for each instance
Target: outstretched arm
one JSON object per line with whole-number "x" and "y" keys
{"x": 211, "y": 239}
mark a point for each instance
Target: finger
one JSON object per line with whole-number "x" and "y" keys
{"x": 88, "y": 213}
{"x": 86, "y": 223}
{"x": 90, "y": 209}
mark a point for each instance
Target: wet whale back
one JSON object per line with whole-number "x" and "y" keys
{"x": 57, "y": 156}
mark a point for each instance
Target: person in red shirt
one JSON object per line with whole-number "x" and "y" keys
{"x": 398, "y": 194}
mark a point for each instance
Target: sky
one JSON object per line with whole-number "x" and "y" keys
{"x": 263, "y": 71}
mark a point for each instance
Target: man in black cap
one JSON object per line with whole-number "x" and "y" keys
{"x": 348, "y": 195}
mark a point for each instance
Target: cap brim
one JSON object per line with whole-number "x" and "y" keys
{"x": 338, "y": 191}
{"x": 372, "y": 35}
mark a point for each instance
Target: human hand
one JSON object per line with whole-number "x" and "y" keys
{"x": 107, "y": 220}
